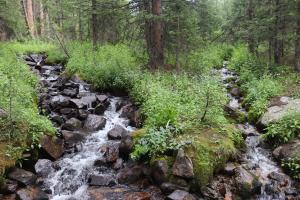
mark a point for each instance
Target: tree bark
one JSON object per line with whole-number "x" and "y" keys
{"x": 250, "y": 15}
{"x": 277, "y": 43}
{"x": 42, "y": 20}
{"x": 157, "y": 49}
{"x": 94, "y": 24}
{"x": 30, "y": 17}
{"x": 297, "y": 43}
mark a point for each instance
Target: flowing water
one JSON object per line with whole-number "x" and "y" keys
{"x": 256, "y": 159}
{"x": 70, "y": 181}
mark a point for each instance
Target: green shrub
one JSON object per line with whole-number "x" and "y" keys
{"x": 203, "y": 60}
{"x": 110, "y": 67}
{"x": 284, "y": 130}
{"x": 292, "y": 165}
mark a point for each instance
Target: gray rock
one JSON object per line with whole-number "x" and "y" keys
{"x": 43, "y": 167}
{"x": 181, "y": 195}
{"x": 125, "y": 147}
{"x": 72, "y": 137}
{"x": 112, "y": 152}
{"x": 117, "y": 133}
{"x": 102, "y": 180}
{"x": 168, "y": 188}
{"x": 72, "y": 124}
{"x": 183, "y": 166}
{"x": 8, "y": 187}
{"x": 94, "y": 122}
{"x": 53, "y": 146}
{"x": 59, "y": 101}
{"x": 288, "y": 150}
{"x": 160, "y": 171}
{"x": 31, "y": 193}
{"x": 22, "y": 176}
{"x": 70, "y": 92}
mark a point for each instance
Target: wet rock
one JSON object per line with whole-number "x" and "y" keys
{"x": 117, "y": 133}
{"x": 102, "y": 180}
{"x": 138, "y": 196}
{"x": 288, "y": 150}
{"x": 72, "y": 124}
{"x": 8, "y": 197}
{"x": 94, "y": 122}
{"x": 70, "y": 92}
{"x": 235, "y": 113}
{"x": 125, "y": 147}
{"x": 235, "y": 92}
{"x": 101, "y": 193}
{"x": 31, "y": 193}
{"x": 102, "y": 98}
{"x": 183, "y": 166}
{"x": 72, "y": 137}
{"x": 112, "y": 152}
{"x": 59, "y": 101}
{"x": 53, "y": 146}
{"x": 229, "y": 169}
{"x": 160, "y": 171}
{"x": 129, "y": 111}
{"x": 130, "y": 174}
{"x": 43, "y": 167}
{"x": 57, "y": 118}
{"x": 278, "y": 177}
{"x": 83, "y": 114}
{"x": 118, "y": 164}
{"x": 22, "y": 176}
{"x": 3, "y": 113}
{"x": 69, "y": 112}
{"x": 247, "y": 184}
{"x": 276, "y": 113}
{"x": 181, "y": 195}
{"x": 8, "y": 187}
{"x": 99, "y": 109}
{"x": 168, "y": 188}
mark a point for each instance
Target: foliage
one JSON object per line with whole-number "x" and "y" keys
{"x": 284, "y": 130}
{"x": 203, "y": 60}
{"x": 110, "y": 67}
{"x": 293, "y": 166}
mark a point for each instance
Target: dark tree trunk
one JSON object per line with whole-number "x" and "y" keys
{"x": 94, "y": 24}
{"x": 297, "y": 43}
{"x": 277, "y": 42}
{"x": 250, "y": 15}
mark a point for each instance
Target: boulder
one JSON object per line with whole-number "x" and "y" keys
{"x": 8, "y": 187}
{"x": 43, "y": 167}
{"x": 125, "y": 147}
{"x": 181, "y": 195}
{"x": 160, "y": 171}
{"x": 276, "y": 113}
{"x": 102, "y": 180}
{"x": 94, "y": 122}
{"x": 83, "y": 114}
{"x": 288, "y": 150}
{"x": 56, "y": 118}
{"x": 130, "y": 111}
{"x": 137, "y": 196}
{"x": 118, "y": 164}
{"x": 69, "y": 112}
{"x": 117, "y": 133}
{"x": 235, "y": 92}
{"x": 247, "y": 184}
{"x": 53, "y": 146}
{"x": 183, "y": 166}
{"x": 72, "y": 124}
{"x": 31, "y": 193}
{"x": 70, "y": 92}
{"x": 229, "y": 169}
{"x": 22, "y": 176}
{"x": 112, "y": 152}
{"x": 59, "y": 101}
{"x": 72, "y": 137}
{"x": 168, "y": 188}
{"x": 99, "y": 109}
{"x": 130, "y": 174}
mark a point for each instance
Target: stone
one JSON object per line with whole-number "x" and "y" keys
{"x": 118, "y": 164}
{"x": 56, "y": 118}
{"x": 72, "y": 137}
{"x": 125, "y": 147}
{"x": 83, "y": 114}
{"x": 69, "y": 112}
{"x": 43, "y": 167}
{"x": 70, "y": 92}
{"x": 180, "y": 195}
{"x": 117, "y": 133}
{"x": 102, "y": 180}
{"x": 22, "y": 176}
{"x": 8, "y": 197}
{"x": 235, "y": 113}
{"x": 59, "y": 101}
{"x": 129, "y": 111}
{"x": 278, "y": 177}
{"x": 130, "y": 174}
{"x": 102, "y": 98}
{"x": 94, "y": 123}
{"x": 183, "y": 166}
{"x": 72, "y": 124}
{"x": 229, "y": 169}
{"x": 137, "y": 196}
{"x": 31, "y": 193}
{"x": 247, "y": 131}
{"x": 112, "y": 152}
{"x": 99, "y": 109}
{"x": 288, "y": 150}
{"x": 101, "y": 193}
{"x": 247, "y": 184}
{"x": 8, "y": 187}
{"x": 160, "y": 171}
{"x": 276, "y": 113}
{"x": 168, "y": 188}
{"x": 235, "y": 92}
{"x": 53, "y": 146}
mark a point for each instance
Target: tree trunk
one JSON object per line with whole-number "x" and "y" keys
{"x": 297, "y": 43}
{"x": 157, "y": 49}
{"x": 277, "y": 43}
{"x": 94, "y": 24}
{"x": 42, "y": 20}
{"x": 30, "y": 18}
{"x": 147, "y": 28}
{"x": 250, "y": 15}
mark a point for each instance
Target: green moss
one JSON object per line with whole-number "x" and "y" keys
{"x": 210, "y": 151}
{"x": 169, "y": 159}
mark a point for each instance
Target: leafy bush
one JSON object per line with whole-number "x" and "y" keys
{"x": 110, "y": 67}
{"x": 204, "y": 59}
{"x": 284, "y": 130}
{"x": 292, "y": 165}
